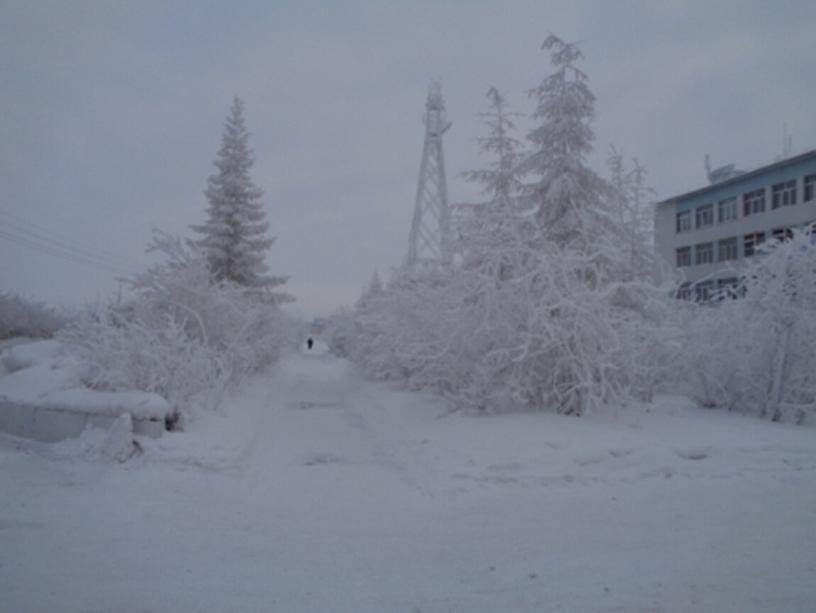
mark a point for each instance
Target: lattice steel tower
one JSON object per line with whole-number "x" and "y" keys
{"x": 429, "y": 245}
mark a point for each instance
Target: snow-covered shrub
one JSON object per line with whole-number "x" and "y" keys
{"x": 755, "y": 353}
{"x": 551, "y": 305}
{"x": 22, "y": 317}
{"x": 339, "y": 331}
{"x": 241, "y": 322}
{"x": 207, "y": 315}
{"x": 120, "y": 353}
{"x": 345, "y": 332}
{"x": 178, "y": 333}
{"x": 540, "y": 339}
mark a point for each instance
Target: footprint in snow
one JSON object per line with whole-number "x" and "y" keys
{"x": 589, "y": 460}
{"x": 307, "y": 404}
{"x": 319, "y": 458}
{"x": 693, "y": 453}
{"x": 510, "y": 467}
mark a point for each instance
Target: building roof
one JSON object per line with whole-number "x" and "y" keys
{"x": 742, "y": 177}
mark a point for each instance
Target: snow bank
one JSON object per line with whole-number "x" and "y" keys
{"x": 33, "y": 384}
{"x": 39, "y": 378}
{"x": 28, "y": 354}
{"x": 118, "y": 444}
{"x": 44, "y": 399}
{"x": 144, "y": 405}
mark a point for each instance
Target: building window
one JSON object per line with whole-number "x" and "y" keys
{"x": 727, "y": 210}
{"x": 684, "y": 292}
{"x": 727, "y": 288}
{"x": 810, "y": 187}
{"x": 783, "y": 234}
{"x": 704, "y": 215}
{"x": 727, "y": 249}
{"x": 751, "y": 242}
{"x": 684, "y": 222}
{"x": 683, "y": 257}
{"x": 753, "y": 202}
{"x": 704, "y": 253}
{"x": 703, "y": 291}
{"x": 783, "y": 194}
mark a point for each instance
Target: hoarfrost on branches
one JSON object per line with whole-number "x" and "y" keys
{"x": 178, "y": 332}
{"x": 22, "y": 317}
{"x": 235, "y": 236}
{"x": 545, "y": 309}
{"x": 753, "y": 351}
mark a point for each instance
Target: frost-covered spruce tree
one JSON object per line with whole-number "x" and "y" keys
{"x": 366, "y": 323}
{"x": 565, "y": 196}
{"x": 500, "y": 181}
{"x": 477, "y": 306}
{"x": 536, "y": 315}
{"x": 580, "y": 275}
{"x": 235, "y": 236}
{"x": 629, "y": 197}
{"x": 484, "y": 225}
{"x": 372, "y": 291}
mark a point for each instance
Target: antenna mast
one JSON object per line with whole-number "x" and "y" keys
{"x": 429, "y": 244}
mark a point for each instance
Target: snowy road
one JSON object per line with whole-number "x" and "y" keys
{"x": 314, "y": 491}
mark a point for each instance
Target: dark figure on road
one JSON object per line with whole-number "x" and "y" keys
{"x": 309, "y": 342}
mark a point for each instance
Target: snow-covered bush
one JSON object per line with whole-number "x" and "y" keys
{"x": 755, "y": 353}
{"x": 347, "y": 331}
{"x": 179, "y": 333}
{"x": 120, "y": 353}
{"x": 22, "y": 317}
{"x": 338, "y": 332}
{"x": 552, "y": 305}
{"x": 207, "y": 315}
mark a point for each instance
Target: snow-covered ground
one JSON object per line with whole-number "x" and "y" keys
{"x": 315, "y": 491}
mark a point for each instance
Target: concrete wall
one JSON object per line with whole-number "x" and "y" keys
{"x": 49, "y": 425}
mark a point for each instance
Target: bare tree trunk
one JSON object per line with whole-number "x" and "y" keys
{"x": 777, "y": 392}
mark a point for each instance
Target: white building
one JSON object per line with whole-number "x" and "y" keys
{"x": 707, "y": 233}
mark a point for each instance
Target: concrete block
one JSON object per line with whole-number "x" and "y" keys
{"x": 50, "y": 425}
{"x": 16, "y": 419}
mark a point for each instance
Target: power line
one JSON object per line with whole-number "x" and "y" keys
{"x": 57, "y": 244}
{"x": 62, "y": 254}
{"x": 68, "y": 256}
{"x": 21, "y": 241}
{"x": 17, "y": 230}
{"x": 54, "y": 234}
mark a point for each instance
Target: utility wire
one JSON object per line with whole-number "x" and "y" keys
{"x": 62, "y": 254}
{"x": 40, "y": 231}
{"x": 22, "y": 232}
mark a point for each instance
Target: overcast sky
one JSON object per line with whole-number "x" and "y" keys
{"x": 111, "y": 114}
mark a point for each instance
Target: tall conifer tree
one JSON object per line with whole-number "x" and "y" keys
{"x": 235, "y": 235}
{"x": 565, "y": 194}
{"x": 487, "y": 228}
